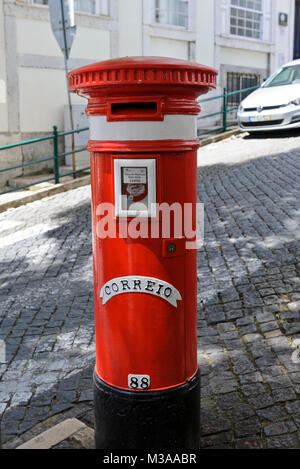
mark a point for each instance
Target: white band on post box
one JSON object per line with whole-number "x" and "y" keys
{"x": 173, "y": 127}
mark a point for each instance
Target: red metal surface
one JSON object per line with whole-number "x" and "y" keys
{"x": 140, "y": 333}
{"x": 157, "y": 71}
{"x": 174, "y": 83}
{"x": 143, "y": 334}
{"x": 141, "y": 146}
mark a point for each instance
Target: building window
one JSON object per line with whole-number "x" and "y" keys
{"x": 240, "y": 81}
{"x": 173, "y": 12}
{"x": 94, "y": 7}
{"x": 246, "y": 18}
{"x": 102, "y": 7}
{"x": 86, "y": 6}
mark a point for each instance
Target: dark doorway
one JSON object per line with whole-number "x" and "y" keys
{"x": 297, "y": 31}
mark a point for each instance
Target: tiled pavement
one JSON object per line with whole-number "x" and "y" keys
{"x": 248, "y": 299}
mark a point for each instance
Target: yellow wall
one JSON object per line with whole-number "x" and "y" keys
{"x": 42, "y": 91}
{"x": 242, "y": 58}
{"x": 36, "y": 38}
{"x": 42, "y": 99}
{"x": 169, "y": 48}
{"x": 284, "y": 35}
{"x": 205, "y": 30}
{"x": 130, "y": 27}
{"x": 3, "y": 96}
{"x": 91, "y": 44}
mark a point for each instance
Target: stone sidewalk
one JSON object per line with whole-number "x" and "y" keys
{"x": 68, "y": 434}
{"x": 248, "y": 301}
{"x": 249, "y": 293}
{"x": 46, "y": 310}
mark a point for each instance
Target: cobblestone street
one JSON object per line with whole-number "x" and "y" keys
{"x": 248, "y": 301}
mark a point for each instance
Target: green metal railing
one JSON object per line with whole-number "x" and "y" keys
{"x": 225, "y": 109}
{"x": 56, "y": 135}
{"x": 55, "y": 158}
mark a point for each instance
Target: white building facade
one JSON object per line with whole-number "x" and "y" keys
{"x": 245, "y": 40}
{"x": 250, "y": 42}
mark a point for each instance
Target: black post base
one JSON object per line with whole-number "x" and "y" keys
{"x": 149, "y": 420}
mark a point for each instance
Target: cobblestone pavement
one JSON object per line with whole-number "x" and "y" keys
{"x": 249, "y": 293}
{"x": 46, "y": 309}
{"x": 248, "y": 301}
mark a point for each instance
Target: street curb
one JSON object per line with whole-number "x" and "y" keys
{"x": 40, "y": 194}
{"x": 60, "y": 432}
{"x": 220, "y": 137}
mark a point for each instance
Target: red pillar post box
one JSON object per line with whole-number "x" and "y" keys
{"x": 143, "y": 146}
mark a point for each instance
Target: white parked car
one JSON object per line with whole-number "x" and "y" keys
{"x": 276, "y": 104}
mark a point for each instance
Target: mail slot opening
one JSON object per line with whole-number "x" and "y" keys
{"x": 133, "y": 109}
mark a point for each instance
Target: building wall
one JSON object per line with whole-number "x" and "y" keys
{"x": 35, "y": 66}
{"x": 8, "y": 133}
{"x": 32, "y": 77}
{"x": 169, "y": 48}
{"x": 205, "y": 32}
{"x": 232, "y": 51}
{"x": 40, "y": 65}
{"x": 3, "y": 93}
{"x": 266, "y": 54}
{"x": 36, "y": 76}
{"x": 283, "y": 35}
{"x": 32, "y": 74}
{"x": 238, "y": 55}
{"x": 130, "y": 27}
{"x": 168, "y": 40}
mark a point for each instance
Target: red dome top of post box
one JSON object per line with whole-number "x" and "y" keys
{"x": 175, "y": 83}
